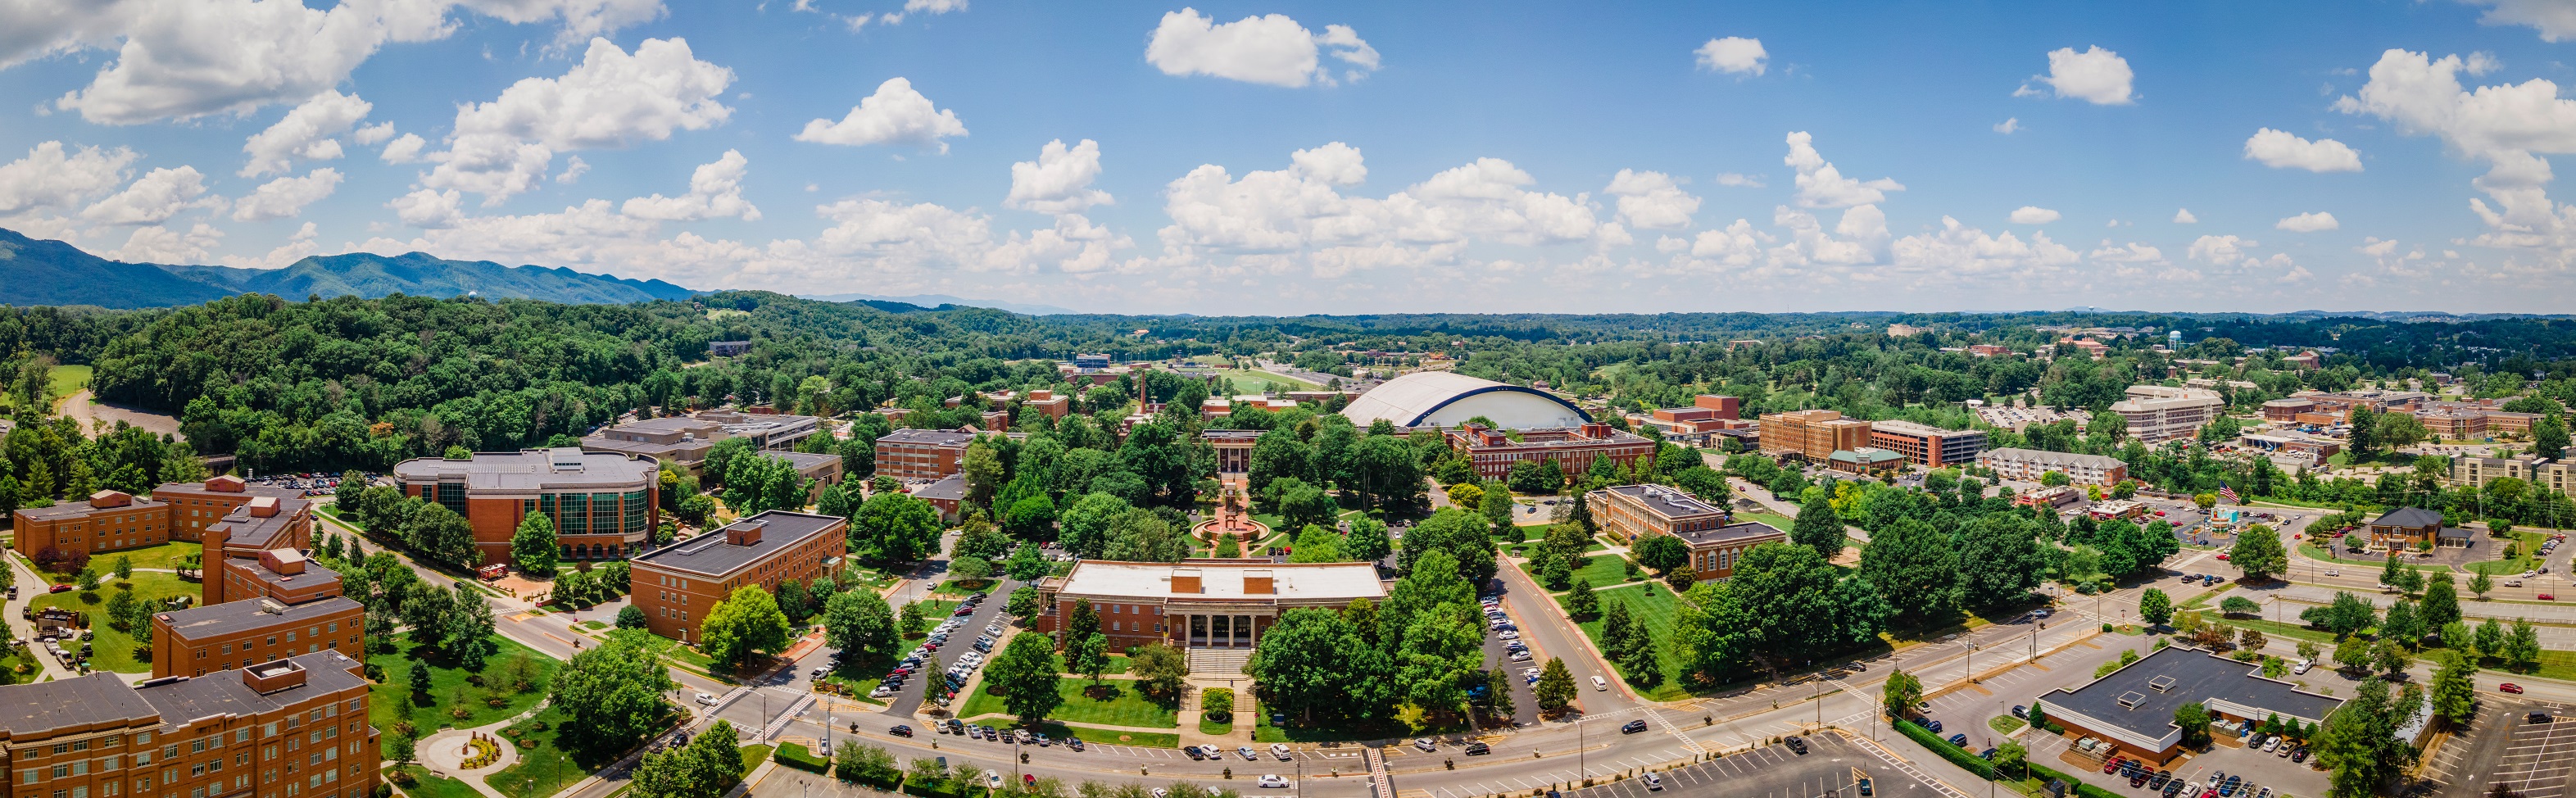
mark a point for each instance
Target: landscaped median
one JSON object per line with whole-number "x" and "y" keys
{"x": 2031, "y": 784}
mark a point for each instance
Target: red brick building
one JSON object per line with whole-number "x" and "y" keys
{"x": 604, "y": 505}
{"x": 677, "y": 584}
{"x": 916, "y": 454}
{"x": 1573, "y": 449}
{"x": 1200, "y": 603}
{"x": 294, "y": 728}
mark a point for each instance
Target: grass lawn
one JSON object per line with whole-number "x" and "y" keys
{"x": 1114, "y": 737}
{"x": 2316, "y": 552}
{"x": 1125, "y": 706}
{"x": 1603, "y": 570}
{"x": 430, "y": 786}
{"x": 2004, "y": 724}
{"x": 164, "y": 556}
{"x": 1776, "y": 520}
{"x": 1653, "y": 606}
{"x": 1117, "y": 664}
{"x": 2292, "y": 631}
{"x": 962, "y": 588}
{"x": 67, "y": 380}
{"x": 544, "y": 767}
{"x": 392, "y": 701}
{"x": 1246, "y": 380}
{"x": 1211, "y": 727}
{"x": 114, "y": 650}
{"x": 2527, "y": 547}
{"x": 1319, "y": 732}
{"x": 752, "y": 756}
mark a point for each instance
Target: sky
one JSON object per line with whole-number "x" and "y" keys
{"x": 1280, "y": 157}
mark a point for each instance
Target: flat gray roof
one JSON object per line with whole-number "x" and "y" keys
{"x": 533, "y": 470}
{"x": 709, "y": 554}
{"x": 234, "y": 617}
{"x": 1743, "y": 530}
{"x": 932, "y": 437}
{"x": 1664, "y": 501}
{"x": 223, "y": 693}
{"x": 953, "y": 488}
{"x": 257, "y": 532}
{"x": 29, "y": 710}
{"x": 2142, "y": 696}
{"x": 80, "y": 507}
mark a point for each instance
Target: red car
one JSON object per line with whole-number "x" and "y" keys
{"x": 2510, "y": 688}
{"x": 2112, "y": 765}
{"x": 2222, "y": 558}
{"x": 60, "y": 589}
{"x": 2543, "y": 596}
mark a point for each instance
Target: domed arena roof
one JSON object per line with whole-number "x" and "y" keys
{"x": 1441, "y": 398}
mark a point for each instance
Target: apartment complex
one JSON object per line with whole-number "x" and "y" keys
{"x": 258, "y": 551}
{"x": 195, "y": 505}
{"x": 220, "y": 637}
{"x": 1813, "y": 435}
{"x": 676, "y": 584}
{"x": 684, "y": 440}
{"x": 914, "y": 454}
{"x": 292, "y": 728}
{"x": 111, "y": 520}
{"x": 107, "y": 521}
{"x": 1698, "y": 423}
{"x": 1200, "y": 603}
{"x": 2287, "y": 411}
{"x": 2542, "y": 473}
{"x": 1573, "y": 449}
{"x": 603, "y": 504}
{"x": 1925, "y": 445}
{"x": 2157, "y": 413}
{"x": 2029, "y": 465}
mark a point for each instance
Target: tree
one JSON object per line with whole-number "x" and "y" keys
{"x": 418, "y": 679}
{"x": 746, "y": 623}
{"x": 2260, "y": 556}
{"x": 2522, "y": 646}
{"x": 441, "y": 535}
{"x": 2480, "y": 584}
{"x": 2239, "y": 605}
{"x": 632, "y": 617}
{"x": 1087, "y": 655}
{"x": 1704, "y": 483}
{"x": 1024, "y": 675}
{"x": 1902, "y": 691}
{"x": 916, "y": 617}
{"x": 400, "y": 749}
{"x": 2441, "y": 603}
{"x": 2455, "y": 689}
{"x": 895, "y": 526}
{"x": 1023, "y": 604}
{"x": 2194, "y": 721}
{"x": 2008, "y": 555}
{"x": 2490, "y": 638}
{"x": 984, "y": 473}
{"x": 1367, "y": 541}
{"x": 859, "y": 621}
{"x": 1159, "y": 669}
{"x": 1555, "y": 688}
{"x": 1818, "y": 528}
{"x": 2362, "y": 443}
{"x": 2549, "y": 437}
{"x": 2348, "y": 614}
{"x": 2359, "y": 744}
{"x": 612, "y": 692}
{"x": 533, "y": 547}
{"x": 867, "y": 764}
{"x": 1915, "y": 570}
{"x": 1661, "y": 552}
{"x": 1315, "y": 661}
{"x": 2353, "y": 653}
{"x": 2389, "y": 655}
{"x": 1301, "y": 504}
{"x": 1583, "y": 603}
{"x": 469, "y": 630}
{"x": 1496, "y": 506}
{"x": 970, "y": 569}
{"x": 1784, "y": 605}
{"x": 1317, "y": 544}
{"x": 1463, "y": 536}
{"x": 2155, "y": 607}
{"x": 1498, "y": 692}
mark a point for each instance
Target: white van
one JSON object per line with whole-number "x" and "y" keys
{"x": 1600, "y": 684}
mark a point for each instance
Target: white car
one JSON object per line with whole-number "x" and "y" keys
{"x": 1654, "y": 782}
{"x": 1279, "y": 750}
{"x": 2302, "y": 667}
{"x": 1273, "y": 781}
{"x": 706, "y": 699}
{"x": 1509, "y": 634}
{"x": 1599, "y": 683}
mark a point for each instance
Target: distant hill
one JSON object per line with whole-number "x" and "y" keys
{"x": 47, "y": 272}
{"x": 934, "y": 301}
{"x": 419, "y": 274}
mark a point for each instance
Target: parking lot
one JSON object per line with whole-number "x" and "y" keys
{"x": 1828, "y": 768}
{"x": 2504, "y": 747}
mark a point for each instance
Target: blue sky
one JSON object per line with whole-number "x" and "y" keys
{"x": 1292, "y": 157}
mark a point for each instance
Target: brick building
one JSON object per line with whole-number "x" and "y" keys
{"x": 2157, "y": 413}
{"x": 677, "y": 584}
{"x": 258, "y": 551}
{"x": 1573, "y": 449}
{"x": 1233, "y": 448}
{"x": 194, "y": 505}
{"x": 220, "y": 637}
{"x": 2029, "y": 465}
{"x": 1925, "y": 445}
{"x": 2286, "y": 411}
{"x": 107, "y": 521}
{"x": 1046, "y": 403}
{"x": 604, "y": 505}
{"x": 1715, "y": 550}
{"x": 1813, "y": 435}
{"x": 294, "y": 728}
{"x": 914, "y": 454}
{"x": 1202, "y": 603}
{"x": 1635, "y": 511}
{"x": 685, "y": 440}
{"x": 2476, "y": 472}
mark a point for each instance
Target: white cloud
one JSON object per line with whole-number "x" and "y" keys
{"x": 2509, "y": 126}
{"x": 581, "y": 19}
{"x": 2183, "y": 216}
{"x": 185, "y": 59}
{"x": 1738, "y": 180}
{"x": 404, "y": 150}
{"x": 933, "y": 6}
{"x": 501, "y": 148}
{"x": 1737, "y": 244}
{"x": 895, "y": 114}
{"x": 1652, "y": 200}
{"x": 429, "y": 209}
{"x": 51, "y": 177}
{"x": 1734, "y": 55}
{"x": 306, "y": 132}
{"x": 1335, "y": 164}
{"x": 369, "y": 135}
{"x": 2281, "y": 149}
{"x": 156, "y": 244}
{"x": 2556, "y": 21}
{"x": 2308, "y": 223}
{"x": 1966, "y": 252}
{"x": 574, "y": 168}
{"x": 2134, "y": 252}
{"x": 715, "y": 190}
{"x": 2033, "y": 214}
{"x": 2482, "y": 62}
{"x": 1059, "y": 181}
{"x": 1270, "y": 49}
{"x": 1860, "y": 237}
{"x": 286, "y": 196}
{"x": 2222, "y": 250}
{"x": 1820, "y": 185}
{"x": 153, "y": 198}
{"x": 2097, "y": 76}
{"x": 2009, "y": 126}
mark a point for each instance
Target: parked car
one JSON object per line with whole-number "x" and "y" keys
{"x": 1654, "y": 782}
{"x": 1796, "y": 744}
{"x": 1473, "y": 749}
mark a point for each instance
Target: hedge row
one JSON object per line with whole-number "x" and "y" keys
{"x": 796, "y": 755}
{"x": 1986, "y": 770}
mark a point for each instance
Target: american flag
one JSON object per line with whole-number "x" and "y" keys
{"x": 2228, "y": 493}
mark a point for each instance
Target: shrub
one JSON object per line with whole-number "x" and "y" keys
{"x": 797, "y": 756}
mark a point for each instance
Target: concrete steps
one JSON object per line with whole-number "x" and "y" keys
{"x": 1219, "y": 661}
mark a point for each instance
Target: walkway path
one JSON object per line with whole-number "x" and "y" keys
{"x": 444, "y": 751}
{"x": 30, "y": 585}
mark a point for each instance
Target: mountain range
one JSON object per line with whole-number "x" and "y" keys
{"x": 49, "y": 272}
{"x": 936, "y": 301}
